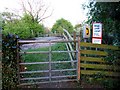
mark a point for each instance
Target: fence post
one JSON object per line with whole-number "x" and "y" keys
{"x": 50, "y": 61}
{"x": 78, "y": 63}
{"x": 74, "y": 37}
{"x": 85, "y": 40}
{"x": 0, "y": 58}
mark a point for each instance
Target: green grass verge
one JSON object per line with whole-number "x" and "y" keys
{"x": 45, "y": 58}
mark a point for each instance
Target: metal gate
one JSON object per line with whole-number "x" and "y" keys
{"x": 49, "y": 74}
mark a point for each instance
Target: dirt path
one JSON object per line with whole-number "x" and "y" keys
{"x": 60, "y": 85}
{"x": 40, "y": 45}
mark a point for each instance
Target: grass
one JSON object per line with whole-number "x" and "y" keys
{"x": 45, "y": 58}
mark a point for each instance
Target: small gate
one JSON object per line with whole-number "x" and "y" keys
{"x": 48, "y": 70}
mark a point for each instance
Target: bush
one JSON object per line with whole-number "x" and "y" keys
{"x": 9, "y": 61}
{"x": 24, "y": 27}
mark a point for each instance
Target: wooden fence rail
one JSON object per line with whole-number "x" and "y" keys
{"x": 103, "y": 46}
{"x": 96, "y": 63}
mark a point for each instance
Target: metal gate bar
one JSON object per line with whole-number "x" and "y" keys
{"x": 48, "y": 77}
{"x": 46, "y": 82}
{"x": 45, "y": 52}
{"x": 41, "y": 71}
{"x": 33, "y": 63}
{"x": 49, "y": 63}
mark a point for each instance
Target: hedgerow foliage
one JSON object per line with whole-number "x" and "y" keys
{"x": 9, "y": 61}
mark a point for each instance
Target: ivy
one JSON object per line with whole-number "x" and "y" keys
{"x": 9, "y": 61}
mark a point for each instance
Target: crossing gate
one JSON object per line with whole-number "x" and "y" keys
{"x": 48, "y": 70}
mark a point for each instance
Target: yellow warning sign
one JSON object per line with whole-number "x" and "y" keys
{"x": 86, "y": 31}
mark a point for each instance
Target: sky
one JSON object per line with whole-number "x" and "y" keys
{"x": 70, "y": 10}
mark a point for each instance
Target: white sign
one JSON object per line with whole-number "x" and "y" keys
{"x": 97, "y": 30}
{"x": 96, "y": 41}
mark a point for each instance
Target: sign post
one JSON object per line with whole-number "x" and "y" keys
{"x": 86, "y": 35}
{"x": 97, "y": 33}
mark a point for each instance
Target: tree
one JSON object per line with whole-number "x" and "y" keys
{"x": 62, "y": 24}
{"x": 108, "y": 14}
{"x": 36, "y": 9}
{"x": 34, "y": 27}
{"x": 78, "y": 27}
{"x": 9, "y": 16}
{"x": 23, "y": 27}
{"x": 28, "y": 25}
{"x": 1, "y": 22}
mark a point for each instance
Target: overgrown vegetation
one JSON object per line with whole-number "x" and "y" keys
{"x": 9, "y": 61}
{"x": 24, "y": 27}
{"x": 113, "y": 57}
{"x": 101, "y": 80}
{"x": 108, "y": 14}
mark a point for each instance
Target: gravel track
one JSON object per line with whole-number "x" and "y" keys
{"x": 40, "y": 45}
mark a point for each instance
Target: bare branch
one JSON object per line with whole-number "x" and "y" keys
{"x": 24, "y": 9}
{"x": 30, "y": 6}
{"x": 37, "y": 13}
{"x": 40, "y": 8}
{"x": 44, "y": 12}
{"x": 37, "y": 10}
{"x": 45, "y": 17}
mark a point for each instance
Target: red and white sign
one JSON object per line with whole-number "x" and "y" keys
{"x": 97, "y": 33}
{"x": 96, "y": 41}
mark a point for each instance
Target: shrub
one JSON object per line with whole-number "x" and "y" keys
{"x": 24, "y": 27}
{"x": 9, "y": 61}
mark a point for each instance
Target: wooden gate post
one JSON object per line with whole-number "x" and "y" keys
{"x": 74, "y": 37}
{"x": 78, "y": 63}
{"x": 0, "y": 70}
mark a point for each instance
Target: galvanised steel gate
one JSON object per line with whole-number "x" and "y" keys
{"x": 51, "y": 71}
